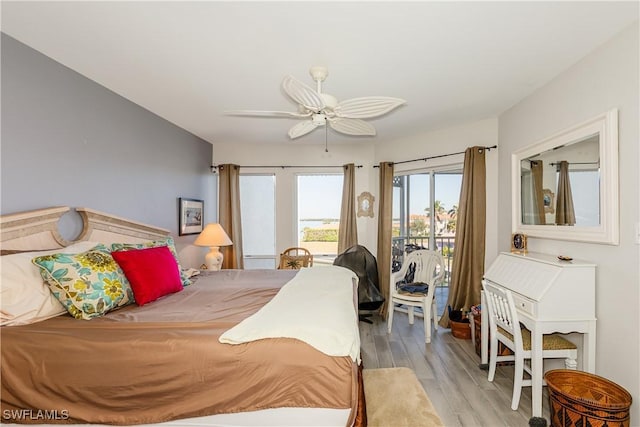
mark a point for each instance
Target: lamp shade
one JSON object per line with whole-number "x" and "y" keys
{"x": 213, "y": 235}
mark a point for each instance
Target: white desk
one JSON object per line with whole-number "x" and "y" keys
{"x": 550, "y": 296}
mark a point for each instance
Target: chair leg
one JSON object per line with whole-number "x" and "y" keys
{"x": 493, "y": 359}
{"x": 434, "y": 313}
{"x": 426, "y": 314}
{"x": 410, "y": 313}
{"x": 390, "y": 310}
{"x": 518, "y": 377}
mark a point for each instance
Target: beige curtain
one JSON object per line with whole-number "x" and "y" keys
{"x": 565, "y": 214}
{"x": 468, "y": 259}
{"x": 385, "y": 211}
{"x": 348, "y": 230}
{"x": 229, "y": 214}
{"x": 538, "y": 195}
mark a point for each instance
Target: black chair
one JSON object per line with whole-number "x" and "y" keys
{"x": 362, "y": 262}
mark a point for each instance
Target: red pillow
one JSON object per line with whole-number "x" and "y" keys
{"x": 152, "y": 272}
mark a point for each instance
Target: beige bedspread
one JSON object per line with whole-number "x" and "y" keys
{"x": 163, "y": 361}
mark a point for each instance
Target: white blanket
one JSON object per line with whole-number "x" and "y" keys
{"x": 316, "y": 306}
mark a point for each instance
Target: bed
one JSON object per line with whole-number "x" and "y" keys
{"x": 231, "y": 348}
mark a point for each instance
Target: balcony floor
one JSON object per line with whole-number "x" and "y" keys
{"x": 441, "y": 294}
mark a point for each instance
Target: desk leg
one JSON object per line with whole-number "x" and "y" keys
{"x": 536, "y": 372}
{"x": 589, "y": 349}
{"x": 484, "y": 334}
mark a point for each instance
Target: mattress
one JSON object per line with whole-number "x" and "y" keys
{"x": 163, "y": 361}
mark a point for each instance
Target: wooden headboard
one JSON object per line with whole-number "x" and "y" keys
{"x": 38, "y": 229}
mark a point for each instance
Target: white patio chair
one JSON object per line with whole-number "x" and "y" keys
{"x": 428, "y": 268}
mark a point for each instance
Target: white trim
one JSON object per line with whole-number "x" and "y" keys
{"x": 607, "y": 232}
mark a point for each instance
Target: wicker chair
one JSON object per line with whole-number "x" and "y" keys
{"x": 295, "y": 258}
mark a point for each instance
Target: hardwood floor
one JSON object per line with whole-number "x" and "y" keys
{"x": 448, "y": 370}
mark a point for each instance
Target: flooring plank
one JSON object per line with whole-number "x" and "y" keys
{"x": 448, "y": 370}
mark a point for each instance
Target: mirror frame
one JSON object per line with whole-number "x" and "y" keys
{"x": 607, "y": 232}
{"x": 365, "y": 210}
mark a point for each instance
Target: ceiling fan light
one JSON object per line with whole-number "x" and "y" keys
{"x": 319, "y": 119}
{"x": 344, "y": 117}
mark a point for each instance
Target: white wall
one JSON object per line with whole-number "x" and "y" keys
{"x": 605, "y": 79}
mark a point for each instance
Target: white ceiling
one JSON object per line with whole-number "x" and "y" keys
{"x": 188, "y": 62}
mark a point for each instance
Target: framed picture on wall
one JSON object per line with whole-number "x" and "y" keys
{"x": 191, "y": 216}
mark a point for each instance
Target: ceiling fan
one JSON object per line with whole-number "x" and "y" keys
{"x": 319, "y": 109}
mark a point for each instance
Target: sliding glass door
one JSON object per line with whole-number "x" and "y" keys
{"x": 425, "y": 209}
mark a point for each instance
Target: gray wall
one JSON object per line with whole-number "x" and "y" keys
{"x": 68, "y": 141}
{"x": 605, "y": 79}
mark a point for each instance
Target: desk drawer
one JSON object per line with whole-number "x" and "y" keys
{"x": 525, "y": 305}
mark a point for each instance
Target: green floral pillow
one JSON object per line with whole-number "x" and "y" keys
{"x": 168, "y": 242}
{"x": 88, "y": 284}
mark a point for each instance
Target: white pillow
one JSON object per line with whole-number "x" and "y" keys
{"x": 24, "y": 296}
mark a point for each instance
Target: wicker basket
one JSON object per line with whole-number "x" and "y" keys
{"x": 503, "y": 350}
{"x": 581, "y": 399}
{"x": 460, "y": 330}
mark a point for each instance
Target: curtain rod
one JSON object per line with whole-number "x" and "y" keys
{"x": 576, "y": 163}
{"x": 215, "y": 167}
{"x": 424, "y": 159}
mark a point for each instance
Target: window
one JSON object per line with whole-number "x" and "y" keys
{"x": 447, "y": 197}
{"x": 258, "y": 213}
{"x": 411, "y": 196}
{"x": 425, "y": 211}
{"x": 318, "y": 215}
{"x": 586, "y": 203}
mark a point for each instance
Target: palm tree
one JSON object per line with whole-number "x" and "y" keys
{"x": 453, "y": 212}
{"x": 438, "y": 209}
{"x": 453, "y": 216}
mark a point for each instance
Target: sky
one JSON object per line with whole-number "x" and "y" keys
{"x": 320, "y": 196}
{"x": 447, "y": 191}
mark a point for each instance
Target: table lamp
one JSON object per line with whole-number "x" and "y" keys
{"x": 213, "y": 236}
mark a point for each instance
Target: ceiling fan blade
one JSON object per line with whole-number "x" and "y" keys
{"x": 302, "y": 129}
{"x": 258, "y": 113}
{"x": 367, "y": 107}
{"x": 302, "y": 94}
{"x": 352, "y": 127}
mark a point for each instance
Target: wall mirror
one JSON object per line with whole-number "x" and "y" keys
{"x": 566, "y": 186}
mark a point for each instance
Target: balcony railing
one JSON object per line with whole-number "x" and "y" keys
{"x": 444, "y": 244}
